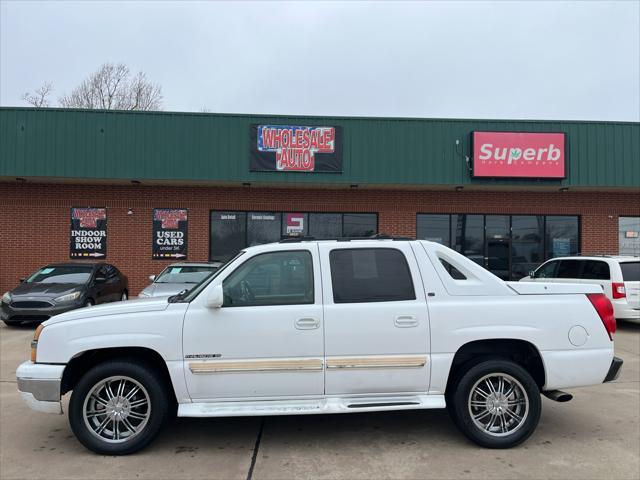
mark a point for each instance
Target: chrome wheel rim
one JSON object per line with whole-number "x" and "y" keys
{"x": 116, "y": 409}
{"x": 498, "y": 404}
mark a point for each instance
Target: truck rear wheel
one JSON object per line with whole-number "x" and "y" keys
{"x": 496, "y": 404}
{"x": 118, "y": 407}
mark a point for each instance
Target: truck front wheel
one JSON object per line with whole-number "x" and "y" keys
{"x": 118, "y": 407}
{"x": 496, "y": 403}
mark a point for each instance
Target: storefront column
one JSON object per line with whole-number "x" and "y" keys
{"x": 599, "y": 234}
{"x": 397, "y": 223}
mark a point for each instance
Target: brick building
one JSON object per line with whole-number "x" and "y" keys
{"x": 508, "y": 194}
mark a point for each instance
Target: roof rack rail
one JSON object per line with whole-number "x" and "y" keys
{"x": 378, "y": 236}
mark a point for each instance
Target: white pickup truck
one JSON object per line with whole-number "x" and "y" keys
{"x": 314, "y": 327}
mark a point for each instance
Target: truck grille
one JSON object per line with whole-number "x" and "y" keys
{"x": 31, "y": 304}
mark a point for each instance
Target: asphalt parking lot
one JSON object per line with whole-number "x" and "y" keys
{"x": 597, "y": 435}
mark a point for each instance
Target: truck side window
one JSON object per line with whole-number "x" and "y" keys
{"x": 370, "y": 275}
{"x": 278, "y": 278}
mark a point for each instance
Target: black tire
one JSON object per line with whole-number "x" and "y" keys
{"x": 461, "y": 404}
{"x": 89, "y": 302}
{"x": 125, "y": 296}
{"x": 158, "y": 410}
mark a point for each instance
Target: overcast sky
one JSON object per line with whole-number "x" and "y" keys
{"x": 540, "y": 60}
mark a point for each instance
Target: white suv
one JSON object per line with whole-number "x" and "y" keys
{"x": 619, "y": 278}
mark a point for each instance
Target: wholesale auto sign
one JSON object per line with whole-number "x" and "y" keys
{"x": 295, "y": 148}
{"x": 519, "y": 154}
{"x": 170, "y": 226}
{"x": 88, "y": 235}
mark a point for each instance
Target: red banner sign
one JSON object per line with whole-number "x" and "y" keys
{"x": 518, "y": 154}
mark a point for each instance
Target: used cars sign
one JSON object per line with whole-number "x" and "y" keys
{"x": 518, "y": 154}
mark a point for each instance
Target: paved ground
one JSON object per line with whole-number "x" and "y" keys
{"x": 597, "y": 435}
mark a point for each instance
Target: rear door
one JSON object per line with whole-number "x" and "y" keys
{"x": 631, "y": 278}
{"x": 376, "y": 319}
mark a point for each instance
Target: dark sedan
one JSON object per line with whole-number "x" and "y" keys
{"x": 62, "y": 287}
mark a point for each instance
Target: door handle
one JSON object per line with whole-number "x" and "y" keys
{"x": 406, "y": 321}
{"x": 308, "y": 323}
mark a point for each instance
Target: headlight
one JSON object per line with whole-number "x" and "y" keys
{"x": 68, "y": 297}
{"x": 6, "y": 298}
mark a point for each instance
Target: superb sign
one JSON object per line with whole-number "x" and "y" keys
{"x": 518, "y": 154}
{"x": 296, "y": 148}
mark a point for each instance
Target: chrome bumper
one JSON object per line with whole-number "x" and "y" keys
{"x": 39, "y": 386}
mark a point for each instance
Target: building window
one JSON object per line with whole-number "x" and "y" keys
{"x": 629, "y": 235}
{"x": 561, "y": 235}
{"x": 510, "y": 246}
{"x": 230, "y": 232}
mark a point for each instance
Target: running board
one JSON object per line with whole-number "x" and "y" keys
{"x": 309, "y": 406}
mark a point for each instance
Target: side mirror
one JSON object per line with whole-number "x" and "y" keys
{"x": 216, "y": 297}
{"x": 152, "y": 277}
{"x": 22, "y": 280}
{"x": 532, "y": 273}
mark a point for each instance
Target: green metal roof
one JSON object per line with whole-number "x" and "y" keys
{"x": 115, "y": 145}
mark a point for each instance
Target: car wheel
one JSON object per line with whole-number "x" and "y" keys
{"x": 124, "y": 296}
{"x": 118, "y": 407}
{"x": 496, "y": 404}
{"x": 89, "y": 303}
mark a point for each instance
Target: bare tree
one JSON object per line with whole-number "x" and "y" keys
{"x": 111, "y": 87}
{"x": 40, "y": 96}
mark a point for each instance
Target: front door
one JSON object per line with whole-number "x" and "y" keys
{"x": 267, "y": 338}
{"x": 376, "y": 319}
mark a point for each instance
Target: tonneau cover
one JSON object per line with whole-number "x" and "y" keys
{"x": 536, "y": 288}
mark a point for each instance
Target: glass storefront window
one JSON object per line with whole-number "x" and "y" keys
{"x": 510, "y": 246}
{"x": 434, "y": 228}
{"x": 228, "y": 235}
{"x": 359, "y": 224}
{"x": 325, "y": 225}
{"x": 233, "y": 231}
{"x": 629, "y": 235}
{"x": 561, "y": 235}
{"x": 527, "y": 248}
{"x": 263, "y": 227}
{"x": 467, "y": 233}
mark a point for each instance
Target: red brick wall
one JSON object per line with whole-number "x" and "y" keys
{"x": 34, "y": 218}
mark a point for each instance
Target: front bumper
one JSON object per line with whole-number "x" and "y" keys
{"x": 39, "y": 385}
{"x": 614, "y": 370}
{"x": 12, "y": 314}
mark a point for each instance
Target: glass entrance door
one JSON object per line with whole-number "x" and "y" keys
{"x": 498, "y": 245}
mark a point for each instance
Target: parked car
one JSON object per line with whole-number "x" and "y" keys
{"x": 61, "y": 287}
{"x": 178, "y": 277}
{"x": 312, "y": 327}
{"x": 619, "y": 278}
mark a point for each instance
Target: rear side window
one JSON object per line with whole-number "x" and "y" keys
{"x": 596, "y": 270}
{"x": 569, "y": 269}
{"x": 370, "y": 275}
{"x": 630, "y": 271}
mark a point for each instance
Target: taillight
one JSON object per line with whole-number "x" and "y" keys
{"x": 605, "y": 310}
{"x": 618, "y": 290}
